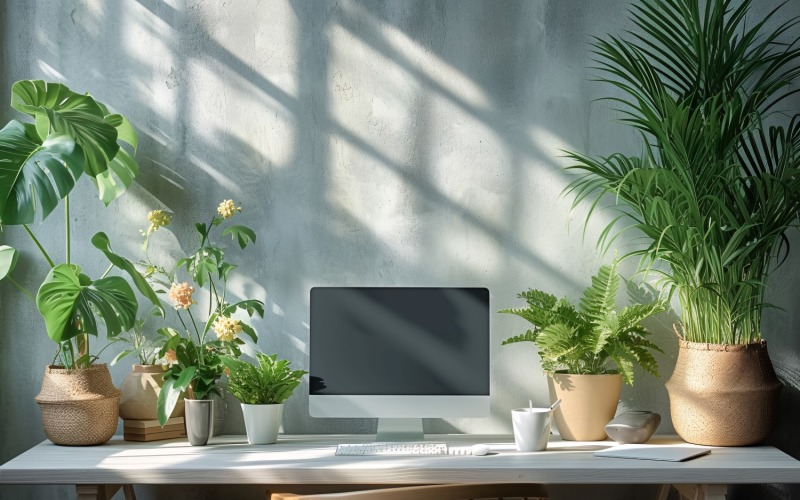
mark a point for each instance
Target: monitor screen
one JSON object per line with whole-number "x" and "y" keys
{"x": 399, "y": 342}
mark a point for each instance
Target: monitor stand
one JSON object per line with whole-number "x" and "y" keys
{"x": 399, "y": 429}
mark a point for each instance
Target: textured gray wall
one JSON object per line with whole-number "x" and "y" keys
{"x": 370, "y": 143}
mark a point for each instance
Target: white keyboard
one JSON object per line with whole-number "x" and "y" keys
{"x": 395, "y": 449}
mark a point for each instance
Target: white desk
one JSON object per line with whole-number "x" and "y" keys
{"x": 299, "y": 461}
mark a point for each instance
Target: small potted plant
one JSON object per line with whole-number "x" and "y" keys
{"x": 140, "y": 388}
{"x": 262, "y": 389}
{"x": 588, "y": 351}
{"x": 73, "y": 134}
{"x": 194, "y": 356}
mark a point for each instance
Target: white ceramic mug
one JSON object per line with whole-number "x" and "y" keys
{"x": 531, "y": 428}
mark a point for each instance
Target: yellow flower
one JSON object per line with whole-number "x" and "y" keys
{"x": 227, "y": 209}
{"x": 226, "y": 328}
{"x": 181, "y": 295}
{"x": 158, "y": 218}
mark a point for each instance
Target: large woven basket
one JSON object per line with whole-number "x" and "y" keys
{"x": 723, "y": 395}
{"x": 79, "y": 407}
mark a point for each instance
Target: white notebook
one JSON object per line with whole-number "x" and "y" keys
{"x": 669, "y": 453}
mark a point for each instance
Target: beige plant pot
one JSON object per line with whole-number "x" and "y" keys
{"x": 140, "y": 390}
{"x": 588, "y": 403}
{"x": 79, "y": 407}
{"x": 723, "y": 395}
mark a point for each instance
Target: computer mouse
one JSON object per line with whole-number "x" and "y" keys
{"x": 480, "y": 450}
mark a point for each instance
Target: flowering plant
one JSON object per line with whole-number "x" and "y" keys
{"x": 194, "y": 357}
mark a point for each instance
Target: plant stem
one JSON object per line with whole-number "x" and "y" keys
{"x": 212, "y": 292}
{"x": 22, "y": 289}
{"x": 194, "y": 324}
{"x": 39, "y": 246}
{"x": 110, "y": 267}
{"x": 67, "y": 228}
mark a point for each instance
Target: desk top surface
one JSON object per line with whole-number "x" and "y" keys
{"x": 310, "y": 459}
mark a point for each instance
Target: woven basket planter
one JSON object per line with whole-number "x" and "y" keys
{"x": 79, "y": 407}
{"x": 723, "y": 395}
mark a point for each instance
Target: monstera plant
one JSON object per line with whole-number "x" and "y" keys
{"x": 72, "y": 136}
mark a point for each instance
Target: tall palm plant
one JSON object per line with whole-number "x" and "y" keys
{"x": 717, "y": 185}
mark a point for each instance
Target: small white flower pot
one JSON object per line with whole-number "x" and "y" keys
{"x": 262, "y": 422}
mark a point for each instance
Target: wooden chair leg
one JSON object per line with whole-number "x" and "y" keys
{"x": 127, "y": 489}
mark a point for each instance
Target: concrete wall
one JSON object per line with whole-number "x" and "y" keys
{"x": 369, "y": 143}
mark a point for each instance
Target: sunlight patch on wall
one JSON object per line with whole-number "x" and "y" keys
{"x": 368, "y": 94}
{"x": 465, "y": 248}
{"x": 437, "y": 69}
{"x": 215, "y": 174}
{"x": 550, "y": 145}
{"x": 50, "y": 73}
{"x": 374, "y": 196}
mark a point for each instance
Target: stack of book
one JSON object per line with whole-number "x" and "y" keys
{"x": 150, "y": 430}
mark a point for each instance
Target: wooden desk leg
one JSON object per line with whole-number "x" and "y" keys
{"x": 701, "y": 491}
{"x": 95, "y": 491}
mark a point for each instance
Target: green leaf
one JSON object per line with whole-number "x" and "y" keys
{"x": 600, "y": 299}
{"x": 69, "y": 302}
{"x": 102, "y": 243}
{"x": 32, "y": 170}
{"x": 185, "y": 378}
{"x": 241, "y": 233}
{"x": 56, "y": 108}
{"x": 8, "y": 259}
{"x": 251, "y": 306}
{"x": 167, "y": 399}
{"x": 122, "y": 169}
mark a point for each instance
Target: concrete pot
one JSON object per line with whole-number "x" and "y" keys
{"x": 262, "y": 422}
{"x": 723, "y": 395}
{"x": 588, "y": 403}
{"x": 79, "y": 407}
{"x": 140, "y": 389}
{"x": 199, "y": 420}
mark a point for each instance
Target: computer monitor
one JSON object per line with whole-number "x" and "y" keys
{"x": 399, "y": 354}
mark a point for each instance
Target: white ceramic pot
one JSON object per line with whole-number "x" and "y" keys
{"x": 262, "y": 422}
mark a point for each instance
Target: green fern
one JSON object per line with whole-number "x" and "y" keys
{"x": 593, "y": 339}
{"x": 272, "y": 381}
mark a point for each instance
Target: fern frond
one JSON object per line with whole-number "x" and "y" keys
{"x": 632, "y": 315}
{"x": 624, "y": 359}
{"x": 556, "y": 341}
{"x": 601, "y": 297}
{"x": 601, "y": 332}
{"x": 529, "y": 336}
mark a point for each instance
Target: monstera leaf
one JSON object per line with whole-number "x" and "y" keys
{"x": 101, "y": 242}
{"x": 8, "y": 259}
{"x": 70, "y": 302}
{"x": 31, "y": 171}
{"x": 122, "y": 168}
{"x": 61, "y": 115}
{"x": 58, "y": 109}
